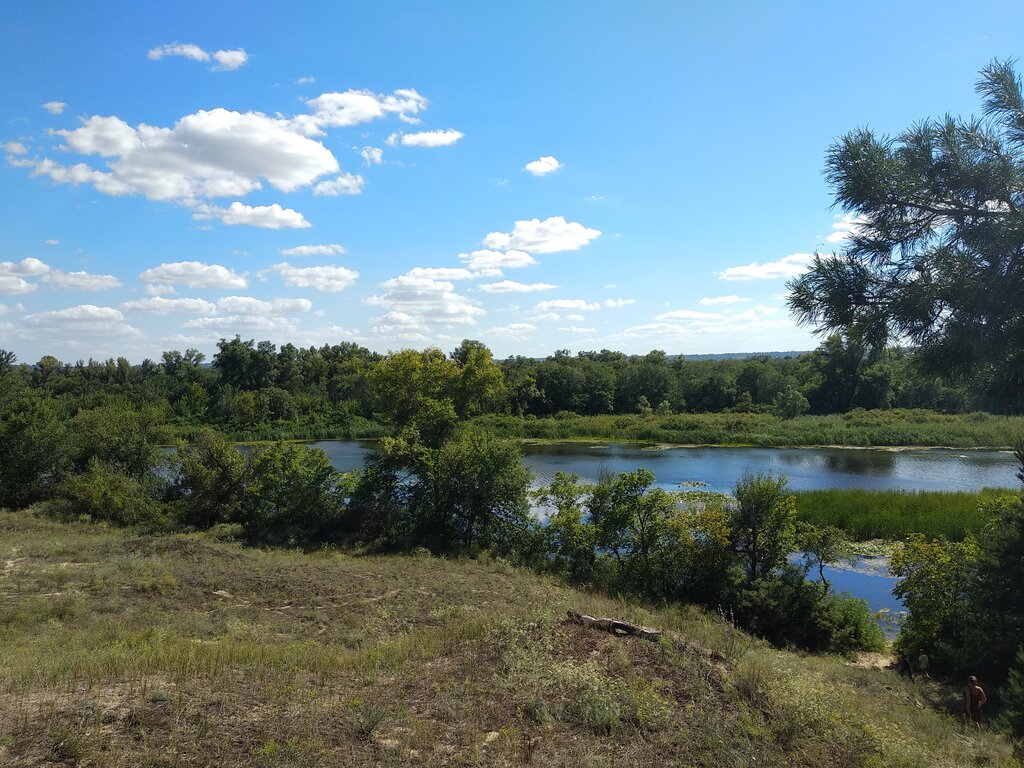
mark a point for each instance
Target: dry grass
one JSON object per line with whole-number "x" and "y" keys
{"x": 188, "y": 651}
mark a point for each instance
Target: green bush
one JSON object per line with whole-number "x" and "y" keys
{"x": 107, "y": 494}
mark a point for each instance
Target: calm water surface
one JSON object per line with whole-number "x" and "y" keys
{"x": 931, "y": 469}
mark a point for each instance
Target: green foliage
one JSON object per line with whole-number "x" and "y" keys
{"x": 212, "y": 481}
{"x": 822, "y": 546}
{"x": 934, "y": 584}
{"x": 118, "y": 436}
{"x": 938, "y": 228}
{"x": 33, "y": 440}
{"x": 481, "y": 486}
{"x": 763, "y": 523}
{"x": 106, "y": 493}
{"x": 295, "y": 496}
{"x": 1012, "y": 696}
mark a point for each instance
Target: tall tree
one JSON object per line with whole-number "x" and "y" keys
{"x": 937, "y": 249}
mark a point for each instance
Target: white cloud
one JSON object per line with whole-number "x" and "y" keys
{"x": 489, "y": 263}
{"x": 712, "y": 301}
{"x": 420, "y": 301}
{"x": 543, "y": 166}
{"x": 305, "y": 80}
{"x": 372, "y": 155}
{"x": 247, "y": 305}
{"x": 85, "y": 319}
{"x": 208, "y": 154}
{"x": 161, "y": 306}
{"x": 329, "y": 249}
{"x": 550, "y": 317}
{"x": 511, "y": 286}
{"x": 431, "y": 138}
{"x": 575, "y": 329}
{"x": 51, "y": 242}
{"x": 686, "y": 322}
{"x": 81, "y": 281}
{"x": 788, "y": 266}
{"x": 194, "y": 274}
{"x": 232, "y": 59}
{"x": 582, "y": 304}
{"x": 232, "y": 323}
{"x": 13, "y": 274}
{"x": 326, "y": 278}
{"x": 156, "y": 289}
{"x": 54, "y": 107}
{"x": 614, "y": 303}
{"x": 848, "y": 226}
{"x": 514, "y": 331}
{"x": 442, "y": 273}
{"x": 15, "y": 148}
{"x": 351, "y": 107}
{"x": 263, "y": 216}
{"x": 226, "y": 60}
{"x": 552, "y": 235}
{"x": 13, "y": 284}
{"x": 345, "y": 184}
{"x": 185, "y": 50}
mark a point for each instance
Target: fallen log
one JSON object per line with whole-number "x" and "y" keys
{"x": 615, "y": 626}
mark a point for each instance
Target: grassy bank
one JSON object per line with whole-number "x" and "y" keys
{"x": 893, "y": 514}
{"x": 856, "y": 428}
{"x": 189, "y": 651}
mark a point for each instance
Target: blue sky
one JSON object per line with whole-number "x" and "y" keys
{"x": 538, "y": 176}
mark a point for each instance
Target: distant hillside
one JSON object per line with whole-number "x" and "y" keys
{"x": 189, "y": 651}
{"x": 738, "y": 355}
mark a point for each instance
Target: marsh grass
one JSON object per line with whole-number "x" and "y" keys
{"x": 866, "y": 515}
{"x": 859, "y": 427}
{"x": 190, "y": 651}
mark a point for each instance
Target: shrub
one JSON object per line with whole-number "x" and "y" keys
{"x": 108, "y": 494}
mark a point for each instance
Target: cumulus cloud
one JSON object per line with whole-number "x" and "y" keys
{"x": 713, "y": 301}
{"x": 80, "y": 281}
{"x": 232, "y": 323}
{"x": 581, "y": 304}
{"x": 54, "y": 107}
{"x": 13, "y": 274}
{"x": 305, "y": 80}
{"x": 686, "y": 322}
{"x": 328, "y": 279}
{"x": 428, "y": 138}
{"x": 262, "y": 216}
{"x": 576, "y": 329}
{"x": 161, "y": 306}
{"x": 211, "y": 153}
{"x": 442, "y": 273}
{"x": 247, "y": 305}
{"x": 513, "y": 331}
{"x": 419, "y": 301}
{"x": 542, "y": 166}
{"x": 489, "y": 263}
{"x": 351, "y": 107}
{"x": 372, "y": 155}
{"x": 194, "y": 274}
{"x": 15, "y": 148}
{"x": 614, "y": 303}
{"x": 788, "y": 266}
{"x": 85, "y": 319}
{"x": 511, "y": 286}
{"x": 225, "y": 59}
{"x": 329, "y": 249}
{"x": 552, "y": 235}
{"x": 156, "y": 289}
{"x": 847, "y": 227}
{"x": 345, "y": 184}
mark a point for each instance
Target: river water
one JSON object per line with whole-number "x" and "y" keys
{"x": 923, "y": 469}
